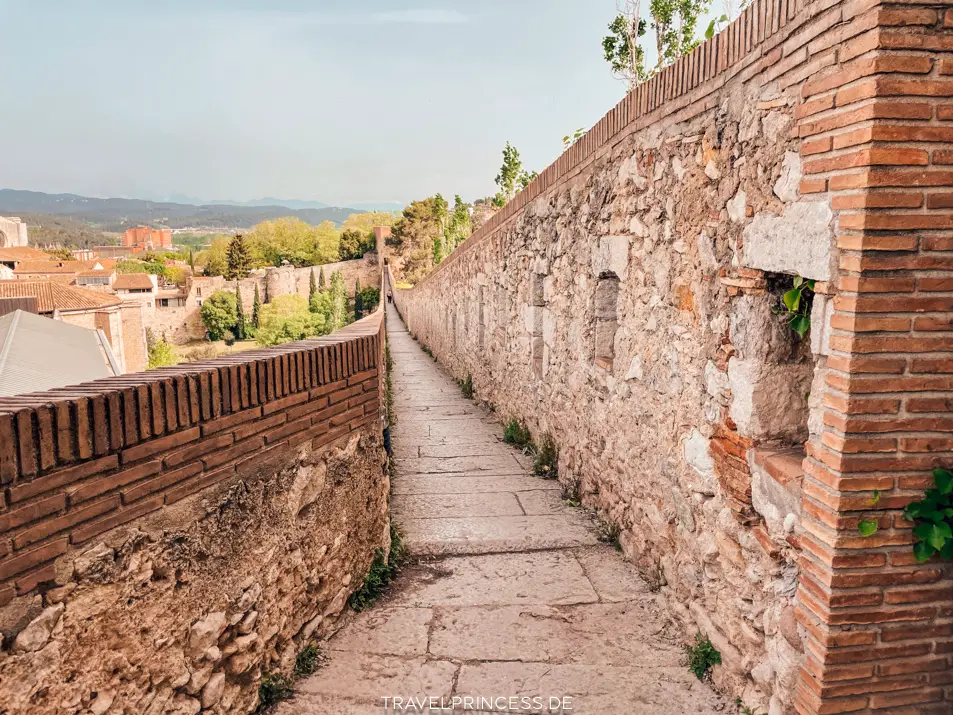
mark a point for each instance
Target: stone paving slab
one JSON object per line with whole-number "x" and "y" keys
{"x": 595, "y": 634}
{"x": 495, "y": 463}
{"x": 434, "y": 506}
{"x": 536, "y": 578}
{"x": 492, "y": 534}
{"x": 367, "y": 677}
{"x": 386, "y": 631}
{"x": 542, "y": 501}
{"x": 595, "y": 689}
{"x": 451, "y": 484}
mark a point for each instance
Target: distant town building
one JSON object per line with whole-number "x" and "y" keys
{"x": 140, "y": 287}
{"x": 13, "y": 232}
{"x": 123, "y": 323}
{"x": 147, "y": 239}
{"x": 10, "y": 258}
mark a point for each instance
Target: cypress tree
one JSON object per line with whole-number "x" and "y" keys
{"x": 239, "y": 315}
{"x": 358, "y": 300}
{"x": 256, "y": 308}
{"x": 238, "y": 259}
{"x": 321, "y": 284}
{"x": 312, "y": 288}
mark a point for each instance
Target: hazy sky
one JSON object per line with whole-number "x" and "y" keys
{"x": 333, "y": 100}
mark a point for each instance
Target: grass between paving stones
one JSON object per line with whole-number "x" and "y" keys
{"x": 384, "y": 569}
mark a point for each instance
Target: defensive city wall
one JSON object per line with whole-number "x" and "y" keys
{"x": 168, "y": 539}
{"x": 628, "y": 305}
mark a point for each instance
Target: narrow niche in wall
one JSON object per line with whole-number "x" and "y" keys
{"x": 776, "y": 381}
{"x": 606, "y": 309}
{"x": 538, "y": 305}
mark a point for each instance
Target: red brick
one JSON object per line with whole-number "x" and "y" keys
{"x": 906, "y": 697}
{"x": 917, "y": 595}
{"x": 232, "y": 420}
{"x": 31, "y": 512}
{"x": 285, "y": 402}
{"x": 30, "y": 580}
{"x": 234, "y": 451}
{"x": 198, "y": 449}
{"x": 68, "y": 520}
{"x": 95, "y": 488}
{"x": 29, "y": 559}
{"x": 87, "y": 531}
{"x": 162, "y": 444}
{"x": 286, "y": 430}
{"x": 191, "y": 486}
{"x": 166, "y": 479}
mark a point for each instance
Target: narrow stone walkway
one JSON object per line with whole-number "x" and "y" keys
{"x": 513, "y": 596}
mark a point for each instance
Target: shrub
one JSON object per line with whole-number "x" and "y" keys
{"x": 702, "y": 656}
{"x": 287, "y": 318}
{"x": 466, "y": 386}
{"x": 384, "y": 568}
{"x": 933, "y": 516}
{"x": 219, "y": 314}
{"x": 272, "y": 689}
{"x": 307, "y": 660}
{"x": 547, "y": 460}
{"x": 160, "y": 352}
{"x": 516, "y": 432}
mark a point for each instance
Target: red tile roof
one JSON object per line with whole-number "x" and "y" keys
{"x": 133, "y": 281}
{"x": 52, "y": 296}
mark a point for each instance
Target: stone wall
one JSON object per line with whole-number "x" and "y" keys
{"x": 183, "y": 324}
{"x": 627, "y": 304}
{"x": 169, "y": 537}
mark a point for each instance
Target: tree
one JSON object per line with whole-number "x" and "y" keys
{"x": 192, "y": 260}
{"x": 312, "y": 287}
{"x": 358, "y": 300}
{"x": 415, "y": 234}
{"x": 160, "y": 352}
{"x": 287, "y": 318}
{"x": 338, "y": 314}
{"x": 214, "y": 260}
{"x": 512, "y": 177}
{"x": 321, "y": 284}
{"x": 354, "y": 244}
{"x": 673, "y": 23}
{"x": 256, "y": 309}
{"x": 61, "y": 254}
{"x": 240, "y": 332}
{"x": 238, "y": 260}
{"x": 219, "y": 314}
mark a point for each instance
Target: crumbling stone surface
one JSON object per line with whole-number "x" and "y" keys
{"x": 655, "y": 432}
{"x": 183, "y": 613}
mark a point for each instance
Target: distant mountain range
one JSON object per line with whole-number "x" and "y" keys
{"x": 296, "y": 204}
{"x": 116, "y": 215}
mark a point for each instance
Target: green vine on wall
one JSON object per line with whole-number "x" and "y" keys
{"x": 933, "y": 516}
{"x": 797, "y": 303}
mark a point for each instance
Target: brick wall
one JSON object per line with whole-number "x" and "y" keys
{"x": 876, "y": 139}
{"x": 869, "y": 84}
{"x": 79, "y": 461}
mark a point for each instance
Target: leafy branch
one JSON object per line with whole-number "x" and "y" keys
{"x": 797, "y": 303}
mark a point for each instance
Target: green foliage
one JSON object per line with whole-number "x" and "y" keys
{"x": 214, "y": 259}
{"x": 744, "y": 709}
{"x": 370, "y": 297}
{"x": 384, "y": 568}
{"x": 516, "y": 432}
{"x": 60, "y": 254}
{"x": 933, "y": 516}
{"x": 797, "y": 304}
{"x": 466, "y": 386}
{"x": 312, "y": 287}
{"x": 621, "y": 48}
{"x": 571, "y": 139}
{"x": 867, "y": 527}
{"x": 160, "y": 352}
{"x": 417, "y": 233}
{"x": 286, "y": 319}
{"x": 547, "y": 459}
{"x": 256, "y": 309}
{"x": 219, "y": 314}
{"x": 702, "y": 656}
{"x": 358, "y": 300}
{"x": 307, "y": 660}
{"x": 609, "y": 533}
{"x": 512, "y": 177}
{"x": 389, "y": 387}
{"x": 291, "y": 239}
{"x": 322, "y": 284}
{"x": 715, "y": 26}
{"x": 240, "y": 330}
{"x": 272, "y": 689}
{"x": 673, "y": 23}
{"x": 238, "y": 259}
{"x": 354, "y": 244}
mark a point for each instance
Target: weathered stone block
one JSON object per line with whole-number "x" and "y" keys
{"x": 799, "y": 241}
{"x": 769, "y": 401}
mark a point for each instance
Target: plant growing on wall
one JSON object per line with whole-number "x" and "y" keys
{"x": 933, "y": 516}
{"x": 797, "y": 303}
{"x": 512, "y": 177}
{"x": 702, "y": 656}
